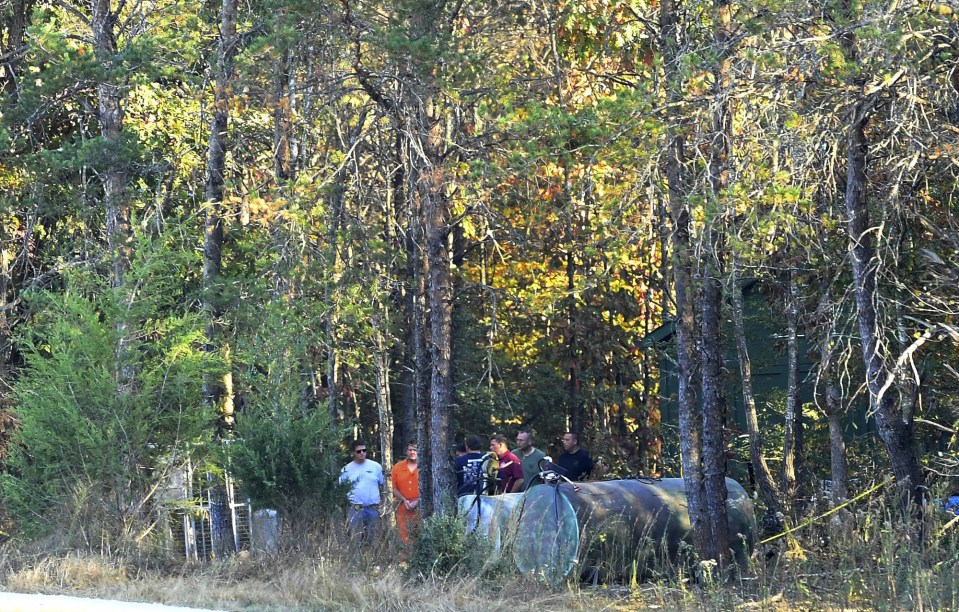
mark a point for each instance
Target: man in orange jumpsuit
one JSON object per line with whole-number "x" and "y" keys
{"x": 406, "y": 488}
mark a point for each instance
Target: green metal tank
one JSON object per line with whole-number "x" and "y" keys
{"x": 619, "y": 528}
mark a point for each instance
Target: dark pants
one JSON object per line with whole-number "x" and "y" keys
{"x": 363, "y": 523}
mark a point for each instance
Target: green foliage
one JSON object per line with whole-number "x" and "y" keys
{"x": 287, "y": 450}
{"x": 285, "y": 460}
{"x": 445, "y": 549}
{"x": 95, "y": 422}
{"x": 442, "y": 546}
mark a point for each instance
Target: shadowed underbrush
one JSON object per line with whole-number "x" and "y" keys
{"x": 862, "y": 560}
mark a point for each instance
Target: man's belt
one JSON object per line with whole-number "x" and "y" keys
{"x": 362, "y": 507}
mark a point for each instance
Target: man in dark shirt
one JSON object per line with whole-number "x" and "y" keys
{"x": 575, "y": 462}
{"x": 469, "y": 468}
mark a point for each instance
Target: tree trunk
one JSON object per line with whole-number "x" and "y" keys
{"x": 909, "y": 383}
{"x": 402, "y": 300}
{"x": 839, "y": 467}
{"x": 792, "y": 389}
{"x": 213, "y": 389}
{"x": 773, "y": 521}
{"x": 829, "y": 399}
{"x": 712, "y": 353}
{"x": 575, "y": 406}
{"x": 690, "y": 416}
{"x": 335, "y": 201}
{"x": 714, "y": 413}
{"x": 329, "y": 318}
{"x": 431, "y": 185}
{"x": 384, "y": 407}
{"x": 401, "y": 195}
{"x": 283, "y": 99}
{"x": 114, "y": 178}
{"x": 832, "y": 406}
{"x": 422, "y": 380}
{"x": 7, "y": 292}
{"x": 576, "y": 416}
{"x": 218, "y": 394}
{"x": 421, "y": 356}
{"x": 13, "y": 31}
{"x": 110, "y": 99}
{"x": 896, "y": 434}
{"x": 407, "y": 411}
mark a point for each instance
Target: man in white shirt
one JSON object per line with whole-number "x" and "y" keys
{"x": 366, "y": 478}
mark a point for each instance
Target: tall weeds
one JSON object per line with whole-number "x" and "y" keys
{"x": 865, "y": 561}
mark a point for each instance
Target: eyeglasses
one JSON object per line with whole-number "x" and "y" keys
{"x": 360, "y": 450}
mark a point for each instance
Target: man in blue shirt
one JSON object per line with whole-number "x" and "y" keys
{"x": 575, "y": 462}
{"x": 366, "y": 478}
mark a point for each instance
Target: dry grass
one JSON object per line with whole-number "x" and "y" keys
{"x": 863, "y": 564}
{"x": 71, "y": 572}
{"x": 338, "y": 583}
{"x": 272, "y": 584}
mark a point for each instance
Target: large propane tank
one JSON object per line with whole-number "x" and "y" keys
{"x": 620, "y": 528}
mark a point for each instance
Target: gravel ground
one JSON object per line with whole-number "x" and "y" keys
{"x": 28, "y": 602}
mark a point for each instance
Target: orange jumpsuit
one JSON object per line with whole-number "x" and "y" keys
{"x": 408, "y": 484}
